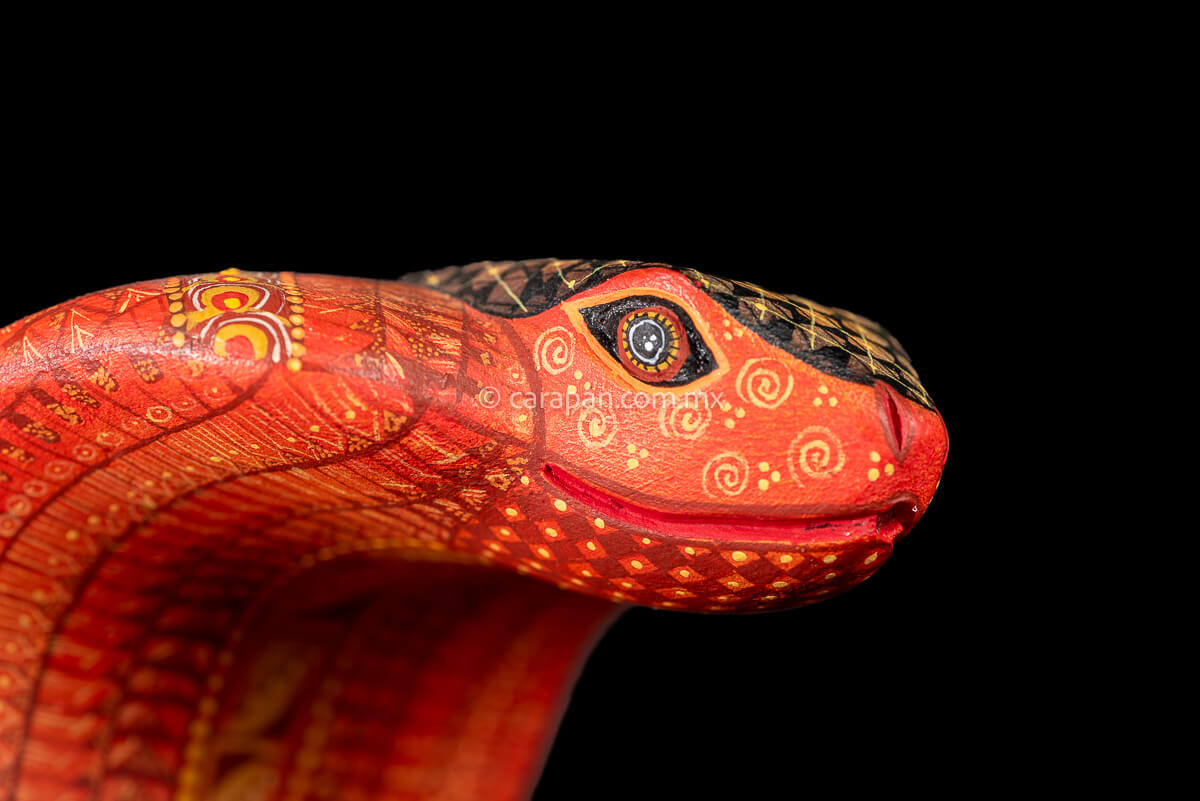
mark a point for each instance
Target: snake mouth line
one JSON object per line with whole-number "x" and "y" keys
{"x": 887, "y": 521}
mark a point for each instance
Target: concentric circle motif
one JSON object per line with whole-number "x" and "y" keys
{"x": 596, "y": 427}
{"x": 687, "y": 419}
{"x": 253, "y": 317}
{"x": 816, "y": 452}
{"x": 554, "y": 350}
{"x": 726, "y": 474}
{"x": 86, "y": 452}
{"x": 60, "y": 469}
{"x": 652, "y": 344}
{"x": 159, "y": 414}
{"x": 110, "y": 439}
{"x": 765, "y": 383}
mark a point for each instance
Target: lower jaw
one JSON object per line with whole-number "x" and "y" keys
{"x": 887, "y": 523}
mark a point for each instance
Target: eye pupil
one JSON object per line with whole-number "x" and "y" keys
{"x": 647, "y": 338}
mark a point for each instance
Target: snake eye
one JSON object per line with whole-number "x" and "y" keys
{"x": 652, "y": 338}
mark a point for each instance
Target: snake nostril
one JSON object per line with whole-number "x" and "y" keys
{"x": 892, "y": 418}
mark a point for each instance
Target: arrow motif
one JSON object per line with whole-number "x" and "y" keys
{"x": 29, "y": 352}
{"x": 77, "y": 331}
{"x": 132, "y": 294}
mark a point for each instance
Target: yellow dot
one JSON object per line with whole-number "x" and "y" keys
{"x": 175, "y": 307}
{"x": 739, "y": 412}
{"x": 645, "y": 540}
{"x": 349, "y": 414}
{"x": 817, "y": 401}
{"x": 72, "y": 535}
{"x": 587, "y": 384}
{"x": 685, "y": 573}
{"x": 293, "y": 364}
{"x": 572, "y": 389}
{"x": 763, "y": 484}
{"x": 889, "y": 469}
{"x": 775, "y": 475}
{"x": 525, "y": 480}
{"x": 544, "y": 553}
{"x": 690, "y": 551}
{"x": 632, "y": 463}
{"x": 870, "y": 559}
{"x": 643, "y": 453}
{"x": 521, "y": 418}
{"x": 833, "y": 401}
{"x": 550, "y": 532}
{"x": 598, "y": 523}
{"x": 178, "y": 319}
{"x": 830, "y": 575}
{"x": 739, "y": 556}
{"x": 779, "y": 585}
{"x": 823, "y": 389}
{"x": 591, "y": 546}
{"x": 829, "y": 559}
{"x": 631, "y": 448}
{"x": 786, "y": 558}
{"x": 875, "y": 457}
{"x": 177, "y": 339}
{"x": 729, "y": 424}
{"x": 586, "y": 573}
{"x": 725, "y": 322}
{"x": 873, "y": 473}
{"x": 560, "y": 505}
{"x": 578, "y": 374}
{"x": 728, "y": 335}
{"x": 763, "y": 466}
{"x": 511, "y": 512}
{"x": 297, "y": 333}
{"x": 636, "y": 565}
{"x": 296, "y": 319}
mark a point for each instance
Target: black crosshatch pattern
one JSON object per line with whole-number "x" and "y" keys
{"x": 905, "y": 684}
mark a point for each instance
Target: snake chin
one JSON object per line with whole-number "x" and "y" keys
{"x": 885, "y": 521}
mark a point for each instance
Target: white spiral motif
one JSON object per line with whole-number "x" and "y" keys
{"x": 726, "y": 474}
{"x": 686, "y": 420}
{"x": 596, "y": 427}
{"x": 766, "y": 383}
{"x": 816, "y": 452}
{"x": 554, "y": 350}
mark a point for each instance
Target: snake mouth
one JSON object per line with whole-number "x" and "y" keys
{"x": 887, "y": 520}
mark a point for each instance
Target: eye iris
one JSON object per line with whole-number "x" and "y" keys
{"x": 652, "y": 345}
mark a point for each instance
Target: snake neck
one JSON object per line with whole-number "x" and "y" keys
{"x": 370, "y": 677}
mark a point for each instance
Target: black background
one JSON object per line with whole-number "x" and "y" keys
{"x": 931, "y": 676}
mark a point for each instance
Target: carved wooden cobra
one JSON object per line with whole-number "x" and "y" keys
{"x": 280, "y": 536}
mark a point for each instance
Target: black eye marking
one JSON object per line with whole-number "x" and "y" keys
{"x": 653, "y": 339}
